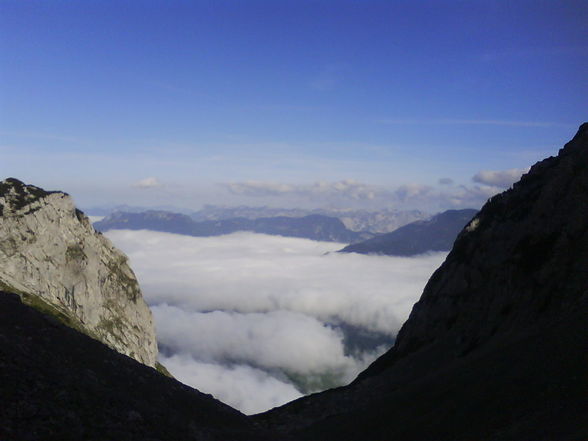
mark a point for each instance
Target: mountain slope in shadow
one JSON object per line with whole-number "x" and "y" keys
{"x": 497, "y": 346}
{"x": 59, "y": 384}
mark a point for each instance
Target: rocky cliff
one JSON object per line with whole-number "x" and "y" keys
{"x": 496, "y": 348}
{"x": 52, "y": 257}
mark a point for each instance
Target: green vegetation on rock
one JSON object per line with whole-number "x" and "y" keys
{"x": 75, "y": 252}
{"x": 310, "y": 383}
{"x": 163, "y": 370}
{"x": 46, "y": 308}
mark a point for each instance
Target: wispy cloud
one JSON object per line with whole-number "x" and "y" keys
{"x": 150, "y": 182}
{"x": 470, "y": 122}
{"x": 499, "y": 178}
{"x": 349, "y": 192}
{"x": 347, "y": 189}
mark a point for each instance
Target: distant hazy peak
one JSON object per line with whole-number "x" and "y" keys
{"x": 434, "y": 234}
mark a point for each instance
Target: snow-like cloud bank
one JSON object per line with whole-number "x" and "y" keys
{"x": 262, "y": 339}
{"x": 150, "y": 182}
{"x": 257, "y": 319}
{"x": 351, "y": 193}
{"x": 499, "y": 178}
{"x": 245, "y": 388}
{"x": 344, "y": 189}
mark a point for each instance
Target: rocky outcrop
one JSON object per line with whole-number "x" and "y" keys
{"x": 52, "y": 257}
{"x": 435, "y": 234}
{"x": 495, "y": 349}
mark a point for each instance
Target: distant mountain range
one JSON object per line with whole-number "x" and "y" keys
{"x": 435, "y": 234}
{"x": 380, "y": 221}
{"x": 315, "y": 227}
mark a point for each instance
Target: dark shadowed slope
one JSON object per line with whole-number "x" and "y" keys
{"x": 435, "y": 234}
{"x": 497, "y": 346}
{"x": 58, "y": 384}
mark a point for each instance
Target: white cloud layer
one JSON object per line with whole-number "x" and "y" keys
{"x": 499, "y": 178}
{"x": 150, "y": 182}
{"x": 265, "y": 310}
{"x": 245, "y": 388}
{"x": 275, "y": 339}
{"x": 344, "y": 189}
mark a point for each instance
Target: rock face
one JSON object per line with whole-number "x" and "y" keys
{"x": 52, "y": 257}
{"x": 496, "y": 348}
{"x": 435, "y": 234}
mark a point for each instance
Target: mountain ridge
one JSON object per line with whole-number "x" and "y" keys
{"x": 435, "y": 234}
{"x": 314, "y": 227}
{"x": 357, "y": 220}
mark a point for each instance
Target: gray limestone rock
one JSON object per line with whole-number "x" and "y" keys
{"x": 54, "y": 259}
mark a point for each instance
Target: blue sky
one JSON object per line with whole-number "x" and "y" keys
{"x": 309, "y": 103}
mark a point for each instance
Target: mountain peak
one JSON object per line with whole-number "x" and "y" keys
{"x": 16, "y": 195}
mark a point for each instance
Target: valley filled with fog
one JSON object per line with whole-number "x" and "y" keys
{"x": 259, "y": 320}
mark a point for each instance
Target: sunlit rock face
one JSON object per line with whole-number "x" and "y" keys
{"x": 56, "y": 261}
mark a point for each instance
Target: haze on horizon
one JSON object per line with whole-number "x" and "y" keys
{"x": 346, "y": 104}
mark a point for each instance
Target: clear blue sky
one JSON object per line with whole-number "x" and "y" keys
{"x": 255, "y": 102}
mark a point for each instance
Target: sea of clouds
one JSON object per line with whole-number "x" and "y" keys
{"x": 259, "y": 320}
